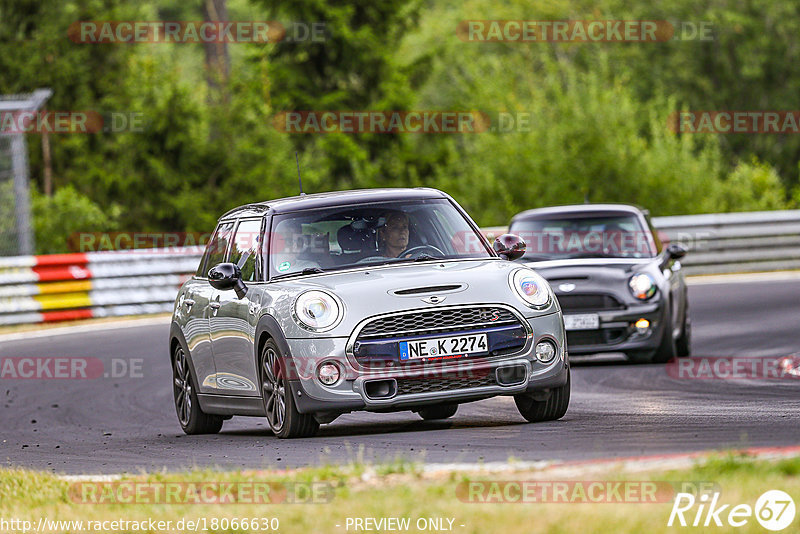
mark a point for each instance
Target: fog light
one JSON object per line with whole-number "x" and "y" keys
{"x": 642, "y": 326}
{"x": 545, "y": 351}
{"x": 328, "y": 373}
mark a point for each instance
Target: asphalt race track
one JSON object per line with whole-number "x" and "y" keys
{"x": 108, "y": 425}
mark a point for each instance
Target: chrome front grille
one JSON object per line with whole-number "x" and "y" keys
{"x": 437, "y": 321}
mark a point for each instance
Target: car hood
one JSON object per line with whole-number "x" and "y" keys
{"x": 624, "y": 264}
{"x": 374, "y": 291}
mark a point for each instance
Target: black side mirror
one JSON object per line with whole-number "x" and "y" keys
{"x": 509, "y": 247}
{"x": 676, "y": 251}
{"x": 224, "y": 276}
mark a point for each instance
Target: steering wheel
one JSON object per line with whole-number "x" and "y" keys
{"x": 419, "y": 250}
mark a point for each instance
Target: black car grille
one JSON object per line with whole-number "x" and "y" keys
{"x": 606, "y": 336}
{"x": 408, "y": 386}
{"x": 437, "y": 322}
{"x": 590, "y": 302}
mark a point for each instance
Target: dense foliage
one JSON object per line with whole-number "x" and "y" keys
{"x": 598, "y": 111}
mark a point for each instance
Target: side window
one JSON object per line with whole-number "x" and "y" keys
{"x": 246, "y": 248}
{"x": 215, "y": 251}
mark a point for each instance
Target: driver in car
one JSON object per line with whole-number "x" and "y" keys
{"x": 393, "y": 235}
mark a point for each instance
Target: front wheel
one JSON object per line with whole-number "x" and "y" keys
{"x": 684, "y": 343}
{"x": 439, "y": 411}
{"x": 550, "y": 409}
{"x": 282, "y": 415}
{"x": 192, "y": 419}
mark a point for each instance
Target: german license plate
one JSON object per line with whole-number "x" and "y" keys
{"x": 582, "y": 321}
{"x": 443, "y": 346}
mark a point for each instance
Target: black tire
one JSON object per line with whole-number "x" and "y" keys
{"x": 282, "y": 415}
{"x": 191, "y": 418}
{"x": 554, "y": 407}
{"x": 683, "y": 345}
{"x": 666, "y": 350}
{"x": 438, "y": 411}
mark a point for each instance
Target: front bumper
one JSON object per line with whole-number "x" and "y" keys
{"x": 462, "y": 381}
{"x": 617, "y": 333}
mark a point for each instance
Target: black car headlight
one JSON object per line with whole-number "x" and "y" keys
{"x": 642, "y": 286}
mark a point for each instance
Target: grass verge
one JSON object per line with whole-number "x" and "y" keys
{"x": 328, "y": 496}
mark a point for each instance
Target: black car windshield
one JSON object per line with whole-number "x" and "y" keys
{"x": 322, "y": 240}
{"x": 567, "y": 237}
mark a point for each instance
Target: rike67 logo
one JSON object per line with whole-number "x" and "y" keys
{"x": 774, "y": 510}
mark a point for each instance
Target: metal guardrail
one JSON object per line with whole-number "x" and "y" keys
{"x": 736, "y": 242}
{"x": 60, "y": 287}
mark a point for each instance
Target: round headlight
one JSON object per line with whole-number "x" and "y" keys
{"x": 531, "y": 288}
{"x": 317, "y": 310}
{"x": 642, "y": 286}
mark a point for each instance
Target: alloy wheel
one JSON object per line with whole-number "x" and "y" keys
{"x": 273, "y": 389}
{"x": 182, "y": 387}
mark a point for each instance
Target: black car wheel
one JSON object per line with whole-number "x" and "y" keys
{"x": 550, "y": 409}
{"x": 192, "y": 419}
{"x": 439, "y": 411}
{"x": 684, "y": 343}
{"x": 284, "y": 419}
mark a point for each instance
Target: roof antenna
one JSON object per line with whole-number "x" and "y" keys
{"x": 299, "y": 179}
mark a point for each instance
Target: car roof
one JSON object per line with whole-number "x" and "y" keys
{"x": 578, "y": 210}
{"x": 332, "y": 199}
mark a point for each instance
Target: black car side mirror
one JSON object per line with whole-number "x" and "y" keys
{"x": 224, "y": 276}
{"x": 676, "y": 251}
{"x": 509, "y": 247}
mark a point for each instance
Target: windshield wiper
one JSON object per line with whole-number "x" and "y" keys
{"x": 421, "y": 257}
{"x": 426, "y": 257}
{"x": 307, "y": 270}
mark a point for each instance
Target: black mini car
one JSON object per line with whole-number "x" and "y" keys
{"x": 620, "y": 288}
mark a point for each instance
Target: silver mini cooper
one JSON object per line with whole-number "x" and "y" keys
{"x": 309, "y": 307}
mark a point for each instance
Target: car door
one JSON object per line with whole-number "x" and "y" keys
{"x": 233, "y": 323}
{"x": 196, "y": 304}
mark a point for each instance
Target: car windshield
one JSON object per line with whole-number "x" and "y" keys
{"x": 323, "y": 240}
{"x": 567, "y": 237}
